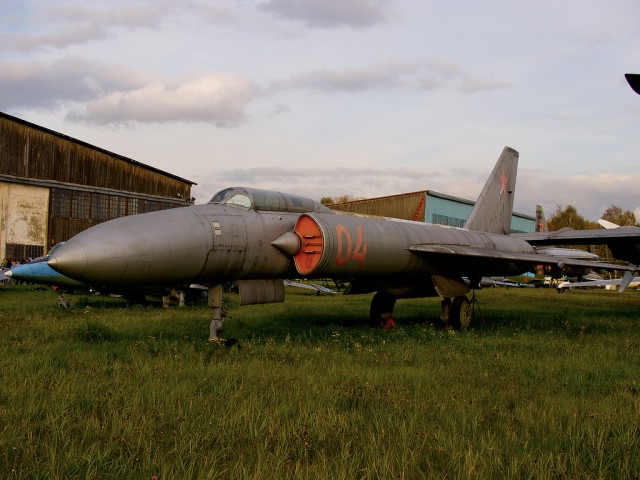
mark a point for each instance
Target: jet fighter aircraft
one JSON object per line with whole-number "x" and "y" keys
{"x": 259, "y": 237}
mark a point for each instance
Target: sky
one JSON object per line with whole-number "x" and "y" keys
{"x": 342, "y": 97}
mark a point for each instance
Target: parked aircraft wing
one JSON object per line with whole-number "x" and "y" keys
{"x": 596, "y": 283}
{"x": 624, "y": 242}
{"x": 472, "y": 254}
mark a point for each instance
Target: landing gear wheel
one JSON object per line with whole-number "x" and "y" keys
{"x": 380, "y": 304}
{"x": 461, "y": 313}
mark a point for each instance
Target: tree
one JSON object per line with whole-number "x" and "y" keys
{"x": 569, "y": 217}
{"x": 614, "y": 214}
{"x": 339, "y": 199}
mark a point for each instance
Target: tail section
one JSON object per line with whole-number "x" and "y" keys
{"x": 493, "y": 209}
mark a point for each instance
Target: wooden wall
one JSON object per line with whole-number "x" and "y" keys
{"x": 32, "y": 152}
{"x": 85, "y": 185}
{"x": 408, "y": 206}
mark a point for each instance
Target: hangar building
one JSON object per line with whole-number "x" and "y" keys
{"x": 53, "y": 186}
{"x": 427, "y": 206}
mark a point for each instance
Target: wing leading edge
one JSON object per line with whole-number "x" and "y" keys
{"x": 478, "y": 257}
{"x": 624, "y": 242}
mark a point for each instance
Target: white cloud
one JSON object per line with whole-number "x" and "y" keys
{"x": 364, "y": 83}
{"x": 591, "y": 194}
{"x": 410, "y": 75}
{"x": 212, "y": 98}
{"x": 60, "y": 38}
{"x": 331, "y": 13}
{"x": 38, "y": 84}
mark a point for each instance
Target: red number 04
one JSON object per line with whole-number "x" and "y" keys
{"x": 358, "y": 254}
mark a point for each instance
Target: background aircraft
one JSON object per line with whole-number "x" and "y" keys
{"x": 635, "y": 282}
{"x": 38, "y": 271}
{"x": 3, "y": 277}
{"x": 258, "y": 237}
{"x": 623, "y": 242}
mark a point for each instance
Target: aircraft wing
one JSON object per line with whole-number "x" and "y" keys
{"x": 590, "y": 283}
{"x": 481, "y": 255}
{"x": 581, "y": 237}
{"x": 624, "y": 242}
{"x": 594, "y": 283}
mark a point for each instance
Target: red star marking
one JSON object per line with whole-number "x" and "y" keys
{"x": 503, "y": 181}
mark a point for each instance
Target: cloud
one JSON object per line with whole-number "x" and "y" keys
{"x": 590, "y": 194}
{"x": 63, "y": 37}
{"x": 318, "y": 182}
{"x": 408, "y": 75}
{"x": 212, "y": 98}
{"x": 118, "y": 95}
{"x": 128, "y": 17}
{"x": 330, "y": 13}
{"x": 67, "y": 80}
{"x": 114, "y": 94}
{"x": 72, "y": 25}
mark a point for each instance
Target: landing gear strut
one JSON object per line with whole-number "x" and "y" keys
{"x": 219, "y": 312}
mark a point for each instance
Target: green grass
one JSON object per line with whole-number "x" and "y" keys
{"x": 547, "y": 386}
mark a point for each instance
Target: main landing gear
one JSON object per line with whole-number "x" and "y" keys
{"x": 457, "y": 312}
{"x": 460, "y": 312}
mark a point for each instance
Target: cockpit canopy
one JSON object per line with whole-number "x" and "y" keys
{"x": 267, "y": 200}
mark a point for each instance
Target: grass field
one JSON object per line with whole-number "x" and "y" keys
{"x": 547, "y": 386}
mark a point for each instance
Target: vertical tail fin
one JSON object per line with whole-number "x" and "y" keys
{"x": 493, "y": 209}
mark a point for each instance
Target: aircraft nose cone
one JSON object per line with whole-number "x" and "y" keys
{"x": 70, "y": 259}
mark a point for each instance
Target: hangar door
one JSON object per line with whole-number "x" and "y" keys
{"x": 23, "y": 220}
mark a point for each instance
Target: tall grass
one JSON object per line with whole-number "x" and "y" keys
{"x": 546, "y": 386}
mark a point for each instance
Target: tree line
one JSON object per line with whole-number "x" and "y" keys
{"x": 569, "y": 217}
